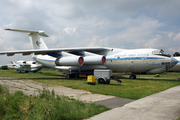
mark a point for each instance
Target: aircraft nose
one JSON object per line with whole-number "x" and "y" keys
{"x": 173, "y": 61}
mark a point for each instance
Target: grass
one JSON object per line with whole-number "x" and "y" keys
{"x": 165, "y": 75}
{"x": 45, "y": 106}
{"x": 143, "y": 86}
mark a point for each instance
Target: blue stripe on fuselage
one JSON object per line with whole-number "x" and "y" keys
{"x": 133, "y": 58}
{"x": 44, "y": 59}
{"x": 114, "y": 59}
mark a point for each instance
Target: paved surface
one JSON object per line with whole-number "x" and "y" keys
{"x": 114, "y": 102}
{"x": 32, "y": 88}
{"x": 160, "y": 106}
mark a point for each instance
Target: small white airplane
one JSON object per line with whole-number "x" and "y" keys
{"x": 8, "y": 65}
{"x": 176, "y": 68}
{"x": 27, "y": 66}
{"x": 83, "y": 60}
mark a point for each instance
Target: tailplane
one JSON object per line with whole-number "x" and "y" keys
{"x": 34, "y": 36}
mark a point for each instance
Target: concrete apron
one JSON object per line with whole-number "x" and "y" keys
{"x": 160, "y": 106}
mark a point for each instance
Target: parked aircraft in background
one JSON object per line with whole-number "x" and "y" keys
{"x": 83, "y": 60}
{"x": 27, "y": 66}
{"x": 8, "y": 65}
{"x": 176, "y": 68}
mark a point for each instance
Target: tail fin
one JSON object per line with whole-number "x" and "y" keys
{"x": 34, "y": 36}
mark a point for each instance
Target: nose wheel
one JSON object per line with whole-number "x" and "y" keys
{"x": 132, "y": 77}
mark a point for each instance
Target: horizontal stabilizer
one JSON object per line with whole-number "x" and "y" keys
{"x": 29, "y": 31}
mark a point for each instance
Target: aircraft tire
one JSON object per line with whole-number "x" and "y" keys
{"x": 68, "y": 76}
{"x": 101, "y": 81}
{"x": 72, "y": 76}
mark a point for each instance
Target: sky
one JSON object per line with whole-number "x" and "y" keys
{"x": 127, "y": 24}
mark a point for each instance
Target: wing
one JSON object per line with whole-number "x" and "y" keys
{"x": 49, "y": 51}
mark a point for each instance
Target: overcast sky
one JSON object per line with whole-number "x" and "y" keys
{"x": 88, "y": 23}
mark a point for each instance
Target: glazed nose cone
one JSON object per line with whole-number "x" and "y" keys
{"x": 173, "y": 61}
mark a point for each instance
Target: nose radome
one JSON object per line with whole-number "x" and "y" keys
{"x": 173, "y": 61}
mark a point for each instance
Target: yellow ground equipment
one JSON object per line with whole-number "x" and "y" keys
{"x": 91, "y": 80}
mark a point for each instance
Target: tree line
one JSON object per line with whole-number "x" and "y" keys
{"x": 176, "y": 54}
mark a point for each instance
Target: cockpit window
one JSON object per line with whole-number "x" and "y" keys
{"x": 160, "y": 52}
{"x": 157, "y": 52}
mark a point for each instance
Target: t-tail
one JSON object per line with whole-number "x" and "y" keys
{"x": 34, "y": 36}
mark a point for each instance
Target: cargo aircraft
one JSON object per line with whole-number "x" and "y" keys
{"x": 84, "y": 60}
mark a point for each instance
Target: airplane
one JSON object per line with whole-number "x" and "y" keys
{"x": 12, "y": 65}
{"x": 176, "y": 68}
{"x": 27, "y": 66}
{"x": 84, "y": 60}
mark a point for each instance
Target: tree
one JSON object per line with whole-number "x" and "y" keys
{"x": 176, "y": 54}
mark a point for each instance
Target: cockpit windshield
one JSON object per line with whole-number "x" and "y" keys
{"x": 160, "y": 52}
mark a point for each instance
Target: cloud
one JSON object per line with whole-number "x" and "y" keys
{"x": 135, "y": 31}
{"x": 153, "y": 42}
{"x": 170, "y": 34}
{"x": 177, "y": 37}
{"x": 69, "y": 30}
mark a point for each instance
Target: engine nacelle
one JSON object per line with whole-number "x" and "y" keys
{"x": 94, "y": 60}
{"x": 69, "y": 61}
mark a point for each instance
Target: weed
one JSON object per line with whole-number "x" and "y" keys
{"x": 45, "y": 106}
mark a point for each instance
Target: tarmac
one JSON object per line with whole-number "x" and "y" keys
{"x": 164, "y": 105}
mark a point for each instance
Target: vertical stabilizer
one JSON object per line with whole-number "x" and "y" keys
{"x": 34, "y": 36}
{"x": 36, "y": 41}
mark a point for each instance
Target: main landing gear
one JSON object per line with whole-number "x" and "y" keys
{"x": 132, "y": 76}
{"x": 72, "y": 76}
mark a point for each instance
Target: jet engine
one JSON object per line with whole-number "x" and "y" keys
{"x": 94, "y": 60}
{"x": 79, "y": 59}
{"x": 69, "y": 61}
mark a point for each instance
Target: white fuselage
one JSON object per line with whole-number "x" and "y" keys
{"x": 27, "y": 66}
{"x": 119, "y": 60}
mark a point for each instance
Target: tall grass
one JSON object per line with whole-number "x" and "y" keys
{"x": 45, "y": 106}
